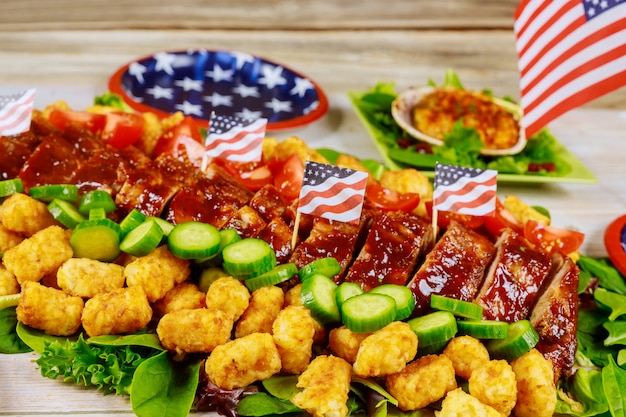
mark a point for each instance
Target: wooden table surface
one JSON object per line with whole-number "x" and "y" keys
{"x": 67, "y": 50}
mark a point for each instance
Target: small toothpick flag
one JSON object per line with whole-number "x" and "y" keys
{"x": 15, "y": 112}
{"x": 235, "y": 139}
{"x": 465, "y": 190}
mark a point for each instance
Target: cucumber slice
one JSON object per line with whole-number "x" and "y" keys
{"x": 65, "y": 213}
{"x": 435, "y": 348}
{"x": 368, "y": 312}
{"x": 166, "y": 226}
{"x": 47, "y": 193}
{"x": 325, "y": 266}
{"x": 522, "y": 337}
{"x": 248, "y": 258}
{"x": 403, "y": 296}
{"x": 434, "y": 328}
{"x": 12, "y": 186}
{"x": 10, "y": 300}
{"x": 347, "y": 290}
{"x": 457, "y": 307}
{"x": 193, "y": 240}
{"x": 97, "y": 213}
{"x": 94, "y": 199}
{"x": 96, "y": 239}
{"x": 133, "y": 219}
{"x": 280, "y": 273}
{"x": 227, "y": 236}
{"x": 209, "y": 276}
{"x": 483, "y": 329}
{"x": 143, "y": 239}
{"x": 318, "y": 295}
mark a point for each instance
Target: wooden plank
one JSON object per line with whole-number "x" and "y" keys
{"x": 254, "y": 14}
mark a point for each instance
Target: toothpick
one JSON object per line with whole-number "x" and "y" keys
{"x": 296, "y": 226}
{"x": 435, "y": 226}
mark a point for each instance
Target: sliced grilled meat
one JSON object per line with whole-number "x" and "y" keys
{"x": 513, "y": 280}
{"x": 269, "y": 203}
{"x": 278, "y": 234}
{"x": 394, "y": 244}
{"x": 247, "y": 222}
{"x": 54, "y": 161}
{"x": 16, "y": 150}
{"x": 555, "y": 315}
{"x": 454, "y": 268}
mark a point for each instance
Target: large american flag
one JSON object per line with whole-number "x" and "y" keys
{"x": 235, "y": 139}
{"x": 570, "y": 52}
{"x": 15, "y": 112}
{"x": 465, "y": 190}
{"x": 332, "y": 192}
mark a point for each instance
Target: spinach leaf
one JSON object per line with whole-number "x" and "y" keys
{"x": 614, "y": 302}
{"x": 9, "y": 340}
{"x": 617, "y": 332}
{"x": 162, "y": 387}
{"x": 37, "y": 340}
{"x": 281, "y": 386}
{"x": 262, "y": 404}
{"x": 586, "y": 386}
{"x": 614, "y": 381}
{"x": 150, "y": 340}
{"x": 609, "y": 277}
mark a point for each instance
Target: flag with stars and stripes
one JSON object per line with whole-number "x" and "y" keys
{"x": 15, "y": 112}
{"x": 465, "y": 190}
{"x": 332, "y": 192}
{"x": 570, "y": 52}
{"x": 235, "y": 139}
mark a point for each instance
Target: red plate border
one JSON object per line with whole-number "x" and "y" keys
{"x": 613, "y": 243}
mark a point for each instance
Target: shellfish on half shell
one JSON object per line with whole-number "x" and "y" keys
{"x": 428, "y": 113}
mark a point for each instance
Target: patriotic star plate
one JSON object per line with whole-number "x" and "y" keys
{"x": 198, "y": 82}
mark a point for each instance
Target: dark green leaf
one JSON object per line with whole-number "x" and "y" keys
{"x": 112, "y": 100}
{"x": 37, "y": 340}
{"x": 590, "y": 321}
{"x": 586, "y": 387}
{"x": 609, "y": 277}
{"x": 617, "y": 332}
{"x": 614, "y": 302}
{"x": 262, "y": 404}
{"x": 281, "y": 386}
{"x": 614, "y": 381}
{"x": 149, "y": 340}
{"x": 9, "y": 339}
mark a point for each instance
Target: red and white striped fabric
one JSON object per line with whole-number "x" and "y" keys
{"x": 465, "y": 190}
{"x": 235, "y": 139}
{"x": 570, "y": 52}
{"x": 15, "y": 112}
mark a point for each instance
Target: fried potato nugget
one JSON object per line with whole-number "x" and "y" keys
{"x": 409, "y": 180}
{"x": 325, "y": 385}
{"x": 292, "y": 298}
{"x": 293, "y": 144}
{"x": 240, "y": 362}
{"x": 293, "y": 332}
{"x": 536, "y": 390}
{"x": 345, "y": 343}
{"x": 87, "y": 277}
{"x": 494, "y": 384}
{"x": 265, "y": 304}
{"x": 422, "y": 382}
{"x": 8, "y": 282}
{"x": 39, "y": 255}
{"x": 386, "y": 351}
{"x": 458, "y": 403}
{"x": 49, "y": 309}
{"x": 157, "y": 272}
{"x": 466, "y": 353}
{"x": 8, "y": 238}
{"x": 183, "y": 295}
{"x": 194, "y": 330}
{"x": 229, "y": 295}
{"x": 23, "y": 214}
{"x": 125, "y": 310}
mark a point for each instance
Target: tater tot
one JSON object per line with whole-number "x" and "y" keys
{"x": 157, "y": 272}
{"x": 49, "y": 309}
{"x": 183, "y": 295}
{"x": 466, "y": 353}
{"x": 39, "y": 255}
{"x": 8, "y": 238}
{"x": 345, "y": 343}
{"x": 409, "y": 180}
{"x": 23, "y": 214}
{"x": 458, "y": 403}
{"x": 386, "y": 351}
{"x": 194, "y": 330}
{"x": 536, "y": 390}
{"x": 293, "y": 331}
{"x": 242, "y": 361}
{"x": 229, "y": 295}
{"x": 8, "y": 282}
{"x": 125, "y": 310}
{"x": 325, "y": 385}
{"x": 87, "y": 277}
{"x": 422, "y": 382}
{"x": 494, "y": 384}
{"x": 292, "y": 298}
{"x": 265, "y": 304}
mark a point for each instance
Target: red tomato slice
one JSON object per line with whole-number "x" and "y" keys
{"x": 122, "y": 129}
{"x": 288, "y": 176}
{"x": 185, "y": 137}
{"x": 61, "y": 119}
{"x": 251, "y": 175}
{"x": 445, "y": 217}
{"x": 500, "y": 220}
{"x": 551, "y": 239}
{"x": 614, "y": 242}
{"x": 387, "y": 199}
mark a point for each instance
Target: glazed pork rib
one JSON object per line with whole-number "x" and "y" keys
{"x": 513, "y": 280}
{"x": 555, "y": 315}
{"x": 454, "y": 268}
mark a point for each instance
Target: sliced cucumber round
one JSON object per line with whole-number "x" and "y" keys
{"x": 483, "y": 329}
{"x": 403, "y": 296}
{"x": 347, "y": 290}
{"x": 368, "y": 312}
{"x": 65, "y": 213}
{"x": 318, "y": 294}
{"x": 522, "y": 337}
{"x": 96, "y": 239}
{"x": 193, "y": 240}
{"x": 248, "y": 258}
{"x": 96, "y": 198}
{"x": 459, "y": 308}
{"x": 97, "y": 213}
{"x": 278, "y": 274}
{"x": 47, "y": 193}
{"x": 12, "y": 186}
{"x": 325, "y": 266}
{"x": 434, "y": 328}
{"x": 133, "y": 219}
{"x": 143, "y": 239}
{"x": 166, "y": 226}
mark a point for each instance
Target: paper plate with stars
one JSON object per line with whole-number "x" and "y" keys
{"x": 198, "y": 82}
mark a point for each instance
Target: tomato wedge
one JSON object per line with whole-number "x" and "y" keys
{"x": 387, "y": 199}
{"x": 445, "y": 217}
{"x": 251, "y": 175}
{"x": 184, "y": 138}
{"x": 62, "y": 119}
{"x": 288, "y": 176}
{"x": 122, "y": 129}
{"x": 500, "y": 220}
{"x": 552, "y": 239}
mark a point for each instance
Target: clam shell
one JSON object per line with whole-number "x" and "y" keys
{"x": 402, "y": 106}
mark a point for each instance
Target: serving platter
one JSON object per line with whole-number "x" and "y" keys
{"x": 199, "y": 82}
